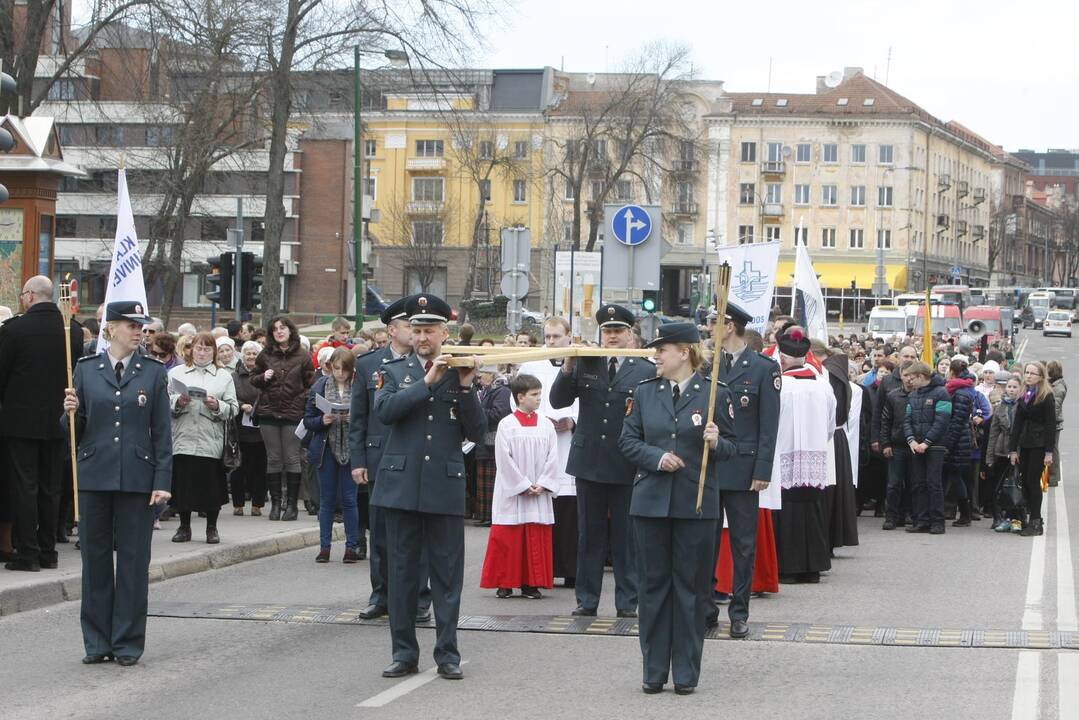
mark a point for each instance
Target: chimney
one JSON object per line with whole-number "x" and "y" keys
{"x": 821, "y": 87}
{"x": 849, "y": 72}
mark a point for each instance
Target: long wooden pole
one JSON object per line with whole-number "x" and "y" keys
{"x": 65, "y": 309}
{"x": 723, "y": 286}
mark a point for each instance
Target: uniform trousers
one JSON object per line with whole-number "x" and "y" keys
{"x": 676, "y": 561}
{"x": 114, "y": 604}
{"x": 37, "y": 467}
{"x": 741, "y": 507}
{"x": 443, "y": 536}
{"x": 379, "y": 564}
{"x": 595, "y": 502}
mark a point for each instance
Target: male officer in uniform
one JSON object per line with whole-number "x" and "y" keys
{"x": 124, "y": 429}
{"x": 366, "y": 437}
{"x": 605, "y": 388}
{"x": 430, "y": 410}
{"x": 754, "y": 382}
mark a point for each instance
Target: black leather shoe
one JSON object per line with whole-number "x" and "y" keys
{"x": 423, "y": 615}
{"x": 918, "y": 529}
{"x": 212, "y": 538}
{"x": 450, "y": 671}
{"x": 23, "y": 566}
{"x": 49, "y": 564}
{"x": 126, "y": 660}
{"x": 96, "y": 659}
{"x": 652, "y": 688}
{"x": 372, "y": 611}
{"x": 739, "y": 629}
{"x": 684, "y": 689}
{"x": 627, "y": 613}
{"x": 712, "y": 621}
{"x": 400, "y": 669}
{"x": 183, "y": 534}
{"x": 584, "y": 612}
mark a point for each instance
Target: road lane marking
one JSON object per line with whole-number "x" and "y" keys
{"x": 1067, "y": 683}
{"x": 1026, "y": 702}
{"x": 401, "y": 689}
{"x": 1032, "y": 612}
{"x": 1066, "y": 613}
{"x": 1022, "y": 348}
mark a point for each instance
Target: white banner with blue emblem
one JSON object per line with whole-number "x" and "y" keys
{"x": 753, "y": 279}
{"x": 125, "y": 280}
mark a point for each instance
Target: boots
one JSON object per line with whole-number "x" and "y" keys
{"x": 292, "y": 488}
{"x": 273, "y": 481}
{"x": 964, "y": 514}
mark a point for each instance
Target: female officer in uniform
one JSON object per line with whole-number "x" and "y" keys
{"x": 664, "y": 436}
{"x": 125, "y": 465}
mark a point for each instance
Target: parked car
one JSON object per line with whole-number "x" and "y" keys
{"x": 531, "y": 317}
{"x": 1040, "y": 313}
{"x": 1026, "y": 316}
{"x": 1057, "y": 322}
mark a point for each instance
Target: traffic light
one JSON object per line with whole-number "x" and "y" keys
{"x": 7, "y": 141}
{"x": 650, "y": 300}
{"x": 221, "y": 276}
{"x": 250, "y": 282}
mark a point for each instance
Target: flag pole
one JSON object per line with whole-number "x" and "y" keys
{"x": 723, "y": 287}
{"x": 65, "y": 309}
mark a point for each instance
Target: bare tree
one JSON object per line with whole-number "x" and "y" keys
{"x": 417, "y": 230}
{"x": 1069, "y": 236}
{"x": 621, "y": 130}
{"x": 998, "y": 238}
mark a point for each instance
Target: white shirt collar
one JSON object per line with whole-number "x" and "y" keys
{"x": 126, "y": 360}
{"x": 683, "y": 385}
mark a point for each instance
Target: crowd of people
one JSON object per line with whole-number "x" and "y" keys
{"x": 567, "y": 462}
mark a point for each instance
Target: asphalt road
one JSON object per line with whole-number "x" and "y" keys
{"x": 969, "y": 579}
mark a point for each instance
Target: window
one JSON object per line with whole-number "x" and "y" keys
{"x": 868, "y": 102}
{"x": 427, "y": 232}
{"x": 623, "y": 150}
{"x": 160, "y": 136}
{"x": 599, "y": 149}
{"x": 66, "y": 226}
{"x": 745, "y": 234}
{"x": 857, "y": 238}
{"x": 62, "y": 90}
{"x": 370, "y": 187}
{"x": 842, "y": 101}
{"x": 571, "y": 191}
{"x": 427, "y": 189}
{"x": 109, "y": 135}
{"x": 775, "y": 152}
{"x": 194, "y": 290}
{"x": 757, "y": 102}
{"x": 623, "y": 190}
{"x": 369, "y": 147}
{"x": 598, "y": 188}
{"x": 886, "y": 155}
{"x": 831, "y": 153}
{"x": 857, "y": 195}
{"x": 258, "y": 231}
{"x": 749, "y": 152}
{"x": 884, "y": 239}
{"x": 213, "y": 229}
{"x": 67, "y": 135}
{"x": 857, "y": 154}
{"x": 519, "y": 191}
{"x": 567, "y": 231}
{"x": 773, "y": 193}
{"x": 486, "y": 150}
{"x": 685, "y": 233}
{"x": 771, "y": 233}
{"x": 801, "y": 194}
{"x": 781, "y": 102}
{"x": 827, "y": 238}
{"x": 429, "y": 148}
{"x": 573, "y": 151}
{"x": 802, "y": 153}
{"x": 747, "y": 193}
{"x": 485, "y": 190}
{"x": 829, "y": 195}
{"x": 685, "y": 193}
{"x": 884, "y": 196}
{"x": 520, "y": 149}
{"x": 801, "y": 235}
{"x": 425, "y": 280}
{"x": 106, "y": 227}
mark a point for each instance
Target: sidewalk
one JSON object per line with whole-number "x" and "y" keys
{"x": 242, "y": 538}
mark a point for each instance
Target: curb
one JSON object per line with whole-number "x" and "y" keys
{"x": 53, "y": 592}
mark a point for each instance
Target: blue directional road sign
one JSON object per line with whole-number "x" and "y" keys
{"x": 957, "y": 271}
{"x": 631, "y": 225}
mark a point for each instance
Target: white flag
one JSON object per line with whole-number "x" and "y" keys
{"x": 813, "y": 307}
{"x": 125, "y": 280}
{"x": 753, "y": 279}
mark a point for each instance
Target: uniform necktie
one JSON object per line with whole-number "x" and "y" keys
{"x": 728, "y": 359}
{"x": 612, "y": 368}
{"x": 119, "y": 370}
{"x": 427, "y": 365}
{"x": 677, "y": 393}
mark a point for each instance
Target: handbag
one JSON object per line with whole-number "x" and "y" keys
{"x": 230, "y": 450}
{"x": 1010, "y": 494}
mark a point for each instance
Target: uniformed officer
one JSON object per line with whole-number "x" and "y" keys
{"x": 605, "y": 387}
{"x": 124, "y": 457}
{"x": 366, "y": 437}
{"x": 664, "y": 438}
{"x": 430, "y": 410}
{"x": 754, "y": 383}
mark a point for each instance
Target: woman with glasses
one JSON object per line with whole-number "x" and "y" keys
{"x": 163, "y": 349}
{"x": 250, "y": 477}
{"x": 1033, "y": 440}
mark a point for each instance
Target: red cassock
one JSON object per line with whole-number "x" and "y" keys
{"x": 519, "y": 555}
{"x": 766, "y": 566}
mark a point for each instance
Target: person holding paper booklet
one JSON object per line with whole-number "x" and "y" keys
{"x": 203, "y": 398}
{"x": 327, "y": 419}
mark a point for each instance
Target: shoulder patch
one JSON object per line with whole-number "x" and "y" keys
{"x": 777, "y": 382}
{"x": 629, "y": 406}
{"x": 380, "y": 382}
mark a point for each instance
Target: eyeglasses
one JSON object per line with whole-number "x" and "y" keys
{"x": 26, "y": 292}
{"x": 159, "y": 355}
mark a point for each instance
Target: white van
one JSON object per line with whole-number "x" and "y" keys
{"x": 887, "y": 321}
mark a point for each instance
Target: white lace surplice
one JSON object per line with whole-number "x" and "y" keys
{"x": 525, "y": 456}
{"x": 806, "y": 426}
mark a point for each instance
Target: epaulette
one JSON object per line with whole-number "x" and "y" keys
{"x": 86, "y": 357}
{"x": 651, "y": 379}
{"x": 395, "y": 360}
{"x": 369, "y": 352}
{"x": 151, "y": 358}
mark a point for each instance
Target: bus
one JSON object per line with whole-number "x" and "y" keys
{"x": 1065, "y": 297}
{"x": 955, "y": 294}
{"x": 908, "y": 299}
{"x": 945, "y": 319}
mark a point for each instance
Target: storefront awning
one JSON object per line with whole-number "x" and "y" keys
{"x": 839, "y": 274}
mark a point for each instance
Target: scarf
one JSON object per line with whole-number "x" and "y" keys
{"x": 337, "y": 434}
{"x": 1030, "y": 394}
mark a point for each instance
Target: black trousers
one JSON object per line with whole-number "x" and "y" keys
{"x": 250, "y": 477}
{"x": 379, "y": 564}
{"x": 1031, "y": 462}
{"x": 444, "y": 538}
{"x": 114, "y": 603}
{"x": 741, "y": 507}
{"x": 37, "y": 467}
{"x": 595, "y": 501}
{"x": 675, "y": 558}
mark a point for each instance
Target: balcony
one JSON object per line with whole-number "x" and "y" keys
{"x": 979, "y": 195}
{"x": 425, "y": 164}
{"x": 960, "y": 228}
{"x": 772, "y": 210}
{"x": 599, "y": 165}
{"x": 962, "y": 189}
{"x": 686, "y": 166}
{"x": 684, "y": 208}
{"x": 773, "y": 167}
{"x": 944, "y": 182}
{"x": 425, "y": 207}
{"x": 943, "y": 222}
{"x": 979, "y": 232}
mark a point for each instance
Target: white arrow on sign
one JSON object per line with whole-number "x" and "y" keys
{"x": 631, "y": 224}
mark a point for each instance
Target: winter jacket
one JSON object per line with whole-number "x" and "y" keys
{"x": 197, "y": 430}
{"x": 246, "y": 394}
{"x": 1035, "y": 425}
{"x": 886, "y": 386}
{"x": 495, "y": 403}
{"x": 317, "y": 430}
{"x": 1060, "y": 391}
{"x": 929, "y": 410}
{"x": 284, "y": 396}
{"x": 893, "y": 408}
{"x": 958, "y": 438}
{"x": 1000, "y": 431}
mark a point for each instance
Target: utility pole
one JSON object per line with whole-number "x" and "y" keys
{"x": 238, "y": 234}
{"x": 357, "y": 191}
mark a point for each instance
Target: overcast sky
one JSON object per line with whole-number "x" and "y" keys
{"x": 1007, "y": 70}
